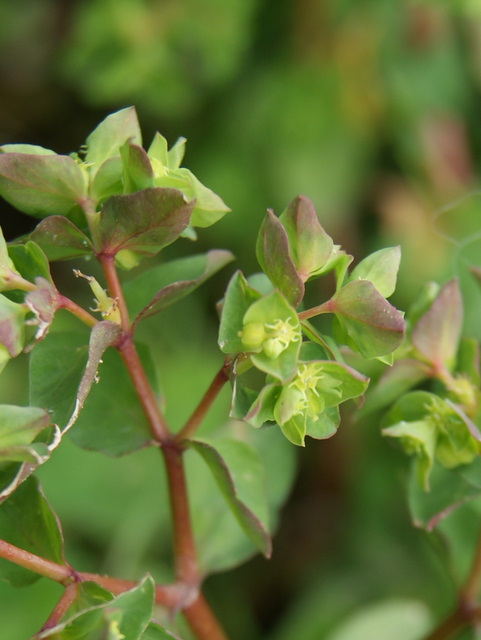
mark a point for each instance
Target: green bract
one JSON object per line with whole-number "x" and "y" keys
{"x": 432, "y": 429}
{"x": 307, "y": 403}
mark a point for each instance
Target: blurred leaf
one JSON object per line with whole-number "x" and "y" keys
{"x": 31, "y": 149}
{"x": 20, "y": 425}
{"x": 112, "y": 420}
{"x": 155, "y": 632}
{"x": 165, "y": 284}
{"x": 272, "y": 252}
{"x": 393, "y": 383}
{"x": 393, "y": 619}
{"x": 450, "y": 488}
{"x": 125, "y": 616}
{"x": 145, "y": 221}
{"x": 375, "y": 326}
{"x": 380, "y": 268}
{"x": 41, "y": 185}
{"x": 12, "y": 317}
{"x": 238, "y": 298}
{"x": 27, "y": 521}
{"x": 309, "y": 245}
{"x": 110, "y": 135}
{"x": 437, "y": 333}
{"x": 239, "y": 476}
{"x": 8, "y": 272}
{"x": 60, "y": 239}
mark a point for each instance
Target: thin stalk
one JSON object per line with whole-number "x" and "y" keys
{"x": 138, "y": 377}
{"x": 76, "y": 310}
{"x": 450, "y": 627}
{"x": 202, "y": 622}
{"x": 62, "y": 606}
{"x": 199, "y": 413}
{"x": 325, "y": 307}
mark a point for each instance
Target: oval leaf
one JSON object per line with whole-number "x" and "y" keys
{"x": 375, "y": 326}
{"x": 144, "y": 222}
{"x": 41, "y": 185}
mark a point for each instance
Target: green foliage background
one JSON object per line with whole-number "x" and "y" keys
{"x": 370, "y": 109}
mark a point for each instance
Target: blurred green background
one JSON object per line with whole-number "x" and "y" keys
{"x": 371, "y": 109}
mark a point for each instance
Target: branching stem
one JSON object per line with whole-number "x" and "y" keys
{"x": 76, "y": 310}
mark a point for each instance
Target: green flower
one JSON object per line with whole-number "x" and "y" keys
{"x": 271, "y": 333}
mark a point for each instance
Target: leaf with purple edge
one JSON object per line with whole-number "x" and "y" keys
{"x": 437, "y": 333}
{"x": 144, "y": 222}
{"x": 374, "y": 325}
{"x": 60, "y": 239}
{"x": 239, "y": 476}
{"x": 42, "y": 185}
{"x": 167, "y": 283}
{"x": 272, "y": 252}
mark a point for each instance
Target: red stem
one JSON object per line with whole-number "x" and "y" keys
{"x": 107, "y": 263}
{"x": 57, "y": 572}
{"x": 62, "y": 606}
{"x": 76, "y": 310}
{"x": 202, "y": 622}
{"x": 158, "y": 426}
{"x": 216, "y": 386}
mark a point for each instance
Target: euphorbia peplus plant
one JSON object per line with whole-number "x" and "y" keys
{"x": 120, "y": 205}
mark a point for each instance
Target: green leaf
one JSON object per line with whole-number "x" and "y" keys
{"x": 418, "y": 438}
{"x": 380, "y": 268}
{"x": 239, "y": 476}
{"x": 437, "y": 333}
{"x": 30, "y": 261}
{"x": 112, "y": 420}
{"x": 12, "y": 316}
{"x": 117, "y": 618}
{"x": 405, "y": 620}
{"x": 375, "y": 326}
{"x": 145, "y": 222}
{"x": 41, "y": 185}
{"x": 110, "y": 135}
{"x": 138, "y": 172}
{"x": 165, "y": 284}
{"x": 27, "y": 521}
{"x": 238, "y": 298}
{"x": 107, "y": 180}
{"x": 272, "y": 252}
{"x": 55, "y": 371}
{"x": 156, "y": 632}
{"x": 309, "y": 245}
{"x": 60, "y": 239}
